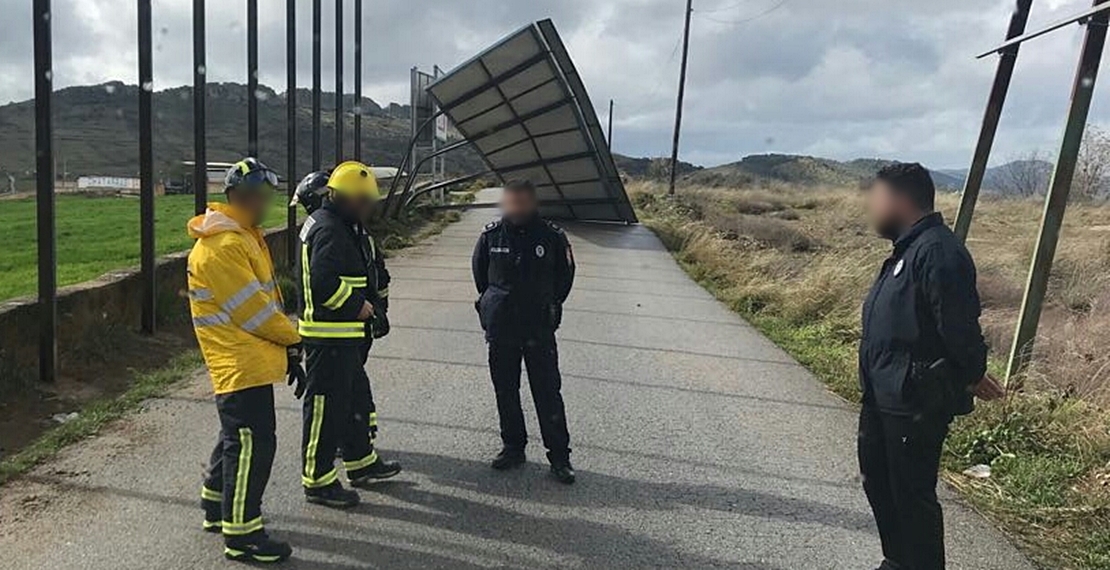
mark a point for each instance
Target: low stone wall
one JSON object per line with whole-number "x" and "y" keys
{"x": 92, "y": 308}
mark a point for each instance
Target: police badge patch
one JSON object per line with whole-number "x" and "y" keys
{"x": 540, "y": 251}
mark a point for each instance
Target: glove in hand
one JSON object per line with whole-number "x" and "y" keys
{"x": 295, "y": 373}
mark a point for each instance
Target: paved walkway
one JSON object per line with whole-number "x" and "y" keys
{"x": 698, "y": 444}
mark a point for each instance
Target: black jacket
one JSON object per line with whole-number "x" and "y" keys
{"x": 523, "y": 274}
{"x": 924, "y": 307}
{"x": 340, "y": 269}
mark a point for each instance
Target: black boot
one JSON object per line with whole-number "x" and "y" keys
{"x": 563, "y": 472}
{"x": 376, "y": 471}
{"x": 508, "y": 458}
{"x": 256, "y": 547}
{"x": 333, "y": 495}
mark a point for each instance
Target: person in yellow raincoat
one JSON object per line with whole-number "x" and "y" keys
{"x": 248, "y": 344}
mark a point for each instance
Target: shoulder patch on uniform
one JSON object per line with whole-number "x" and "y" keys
{"x": 307, "y": 227}
{"x": 492, "y": 225}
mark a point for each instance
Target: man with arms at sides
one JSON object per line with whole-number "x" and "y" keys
{"x": 921, "y": 359}
{"x": 248, "y": 344}
{"x": 523, "y": 268}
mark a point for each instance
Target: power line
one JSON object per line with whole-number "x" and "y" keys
{"x": 745, "y": 20}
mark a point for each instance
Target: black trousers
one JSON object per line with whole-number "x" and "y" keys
{"x": 541, "y": 358}
{"x": 239, "y": 468}
{"x": 899, "y": 457}
{"x": 336, "y": 414}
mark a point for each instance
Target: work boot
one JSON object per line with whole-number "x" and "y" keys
{"x": 333, "y": 495}
{"x": 508, "y": 458}
{"x": 376, "y": 471}
{"x": 562, "y": 471}
{"x": 256, "y": 547}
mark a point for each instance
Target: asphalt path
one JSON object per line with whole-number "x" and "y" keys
{"x": 698, "y": 444}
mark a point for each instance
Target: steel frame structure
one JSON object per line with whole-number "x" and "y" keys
{"x": 1096, "y": 19}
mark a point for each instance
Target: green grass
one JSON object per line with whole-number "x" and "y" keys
{"x": 94, "y": 416}
{"x": 95, "y": 235}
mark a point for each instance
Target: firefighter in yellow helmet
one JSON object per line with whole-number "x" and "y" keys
{"x": 342, "y": 310}
{"x": 248, "y": 345}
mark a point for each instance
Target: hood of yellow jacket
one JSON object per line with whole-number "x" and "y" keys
{"x": 219, "y": 218}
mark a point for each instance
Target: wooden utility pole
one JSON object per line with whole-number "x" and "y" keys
{"x": 681, "y": 94}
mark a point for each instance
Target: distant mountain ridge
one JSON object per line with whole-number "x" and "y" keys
{"x": 800, "y": 170}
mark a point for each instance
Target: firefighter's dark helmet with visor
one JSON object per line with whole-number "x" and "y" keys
{"x": 250, "y": 173}
{"x": 312, "y": 190}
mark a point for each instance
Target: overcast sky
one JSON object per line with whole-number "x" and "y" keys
{"x": 844, "y": 79}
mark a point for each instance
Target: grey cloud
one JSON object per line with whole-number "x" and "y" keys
{"x": 841, "y": 78}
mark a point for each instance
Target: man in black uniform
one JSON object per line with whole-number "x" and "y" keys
{"x": 341, "y": 313}
{"x": 524, "y": 268}
{"x": 921, "y": 359}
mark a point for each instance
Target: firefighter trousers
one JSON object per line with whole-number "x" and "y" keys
{"x": 541, "y": 358}
{"x": 336, "y": 414}
{"x": 239, "y": 468}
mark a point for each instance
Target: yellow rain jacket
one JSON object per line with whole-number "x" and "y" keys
{"x": 236, "y": 305}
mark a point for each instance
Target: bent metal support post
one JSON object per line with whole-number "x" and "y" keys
{"x": 146, "y": 168}
{"x": 1096, "y": 19}
{"x": 44, "y": 194}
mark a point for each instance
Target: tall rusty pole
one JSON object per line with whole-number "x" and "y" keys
{"x": 44, "y": 192}
{"x": 252, "y": 78}
{"x": 681, "y": 95}
{"x": 1057, "y": 200}
{"x": 358, "y": 81}
{"x": 146, "y": 168}
{"x": 290, "y": 128}
{"x": 200, "y": 151}
{"x": 316, "y": 39}
{"x": 338, "y": 81}
{"x": 995, "y": 102}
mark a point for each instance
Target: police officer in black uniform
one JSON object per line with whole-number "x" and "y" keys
{"x": 523, "y": 269}
{"x": 921, "y": 359}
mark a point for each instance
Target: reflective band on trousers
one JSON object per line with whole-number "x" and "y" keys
{"x": 211, "y": 495}
{"x": 261, "y": 317}
{"x": 239, "y": 529}
{"x": 211, "y": 320}
{"x": 332, "y": 330}
{"x": 307, "y": 479}
{"x": 242, "y": 478}
{"x": 361, "y": 463}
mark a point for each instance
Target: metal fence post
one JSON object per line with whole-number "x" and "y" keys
{"x": 316, "y": 39}
{"x": 995, "y": 102}
{"x": 146, "y": 167}
{"x": 1057, "y": 200}
{"x": 252, "y": 78}
{"x": 338, "y": 81}
{"x": 44, "y": 193}
{"x": 358, "y": 81}
{"x": 200, "y": 152}
{"x": 291, "y": 128}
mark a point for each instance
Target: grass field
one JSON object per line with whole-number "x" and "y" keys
{"x": 797, "y": 263}
{"x": 95, "y": 235}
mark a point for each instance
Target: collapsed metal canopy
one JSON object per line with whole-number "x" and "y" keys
{"x": 522, "y": 105}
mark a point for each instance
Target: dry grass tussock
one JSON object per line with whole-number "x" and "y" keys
{"x": 797, "y": 263}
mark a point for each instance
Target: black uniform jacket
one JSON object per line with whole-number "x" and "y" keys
{"x": 924, "y": 307}
{"x": 523, "y": 274}
{"x": 340, "y": 269}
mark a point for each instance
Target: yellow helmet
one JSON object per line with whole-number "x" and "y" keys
{"x": 354, "y": 179}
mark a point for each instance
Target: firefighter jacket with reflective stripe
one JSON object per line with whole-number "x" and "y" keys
{"x": 338, "y": 274}
{"x": 236, "y": 305}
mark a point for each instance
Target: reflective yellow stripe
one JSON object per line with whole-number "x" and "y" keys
{"x": 383, "y": 293}
{"x": 242, "y": 477}
{"x": 361, "y": 463}
{"x": 211, "y": 495}
{"x": 340, "y": 296}
{"x": 306, "y": 283}
{"x": 318, "y": 402}
{"x": 239, "y": 529}
{"x": 357, "y": 282}
{"x": 373, "y": 419}
{"x": 332, "y": 330}
{"x": 328, "y": 478}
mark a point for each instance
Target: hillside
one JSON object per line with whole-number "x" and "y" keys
{"x": 650, "y": 168}
{"x": 761, "y": 169}
{"x": 96, "y": 130}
